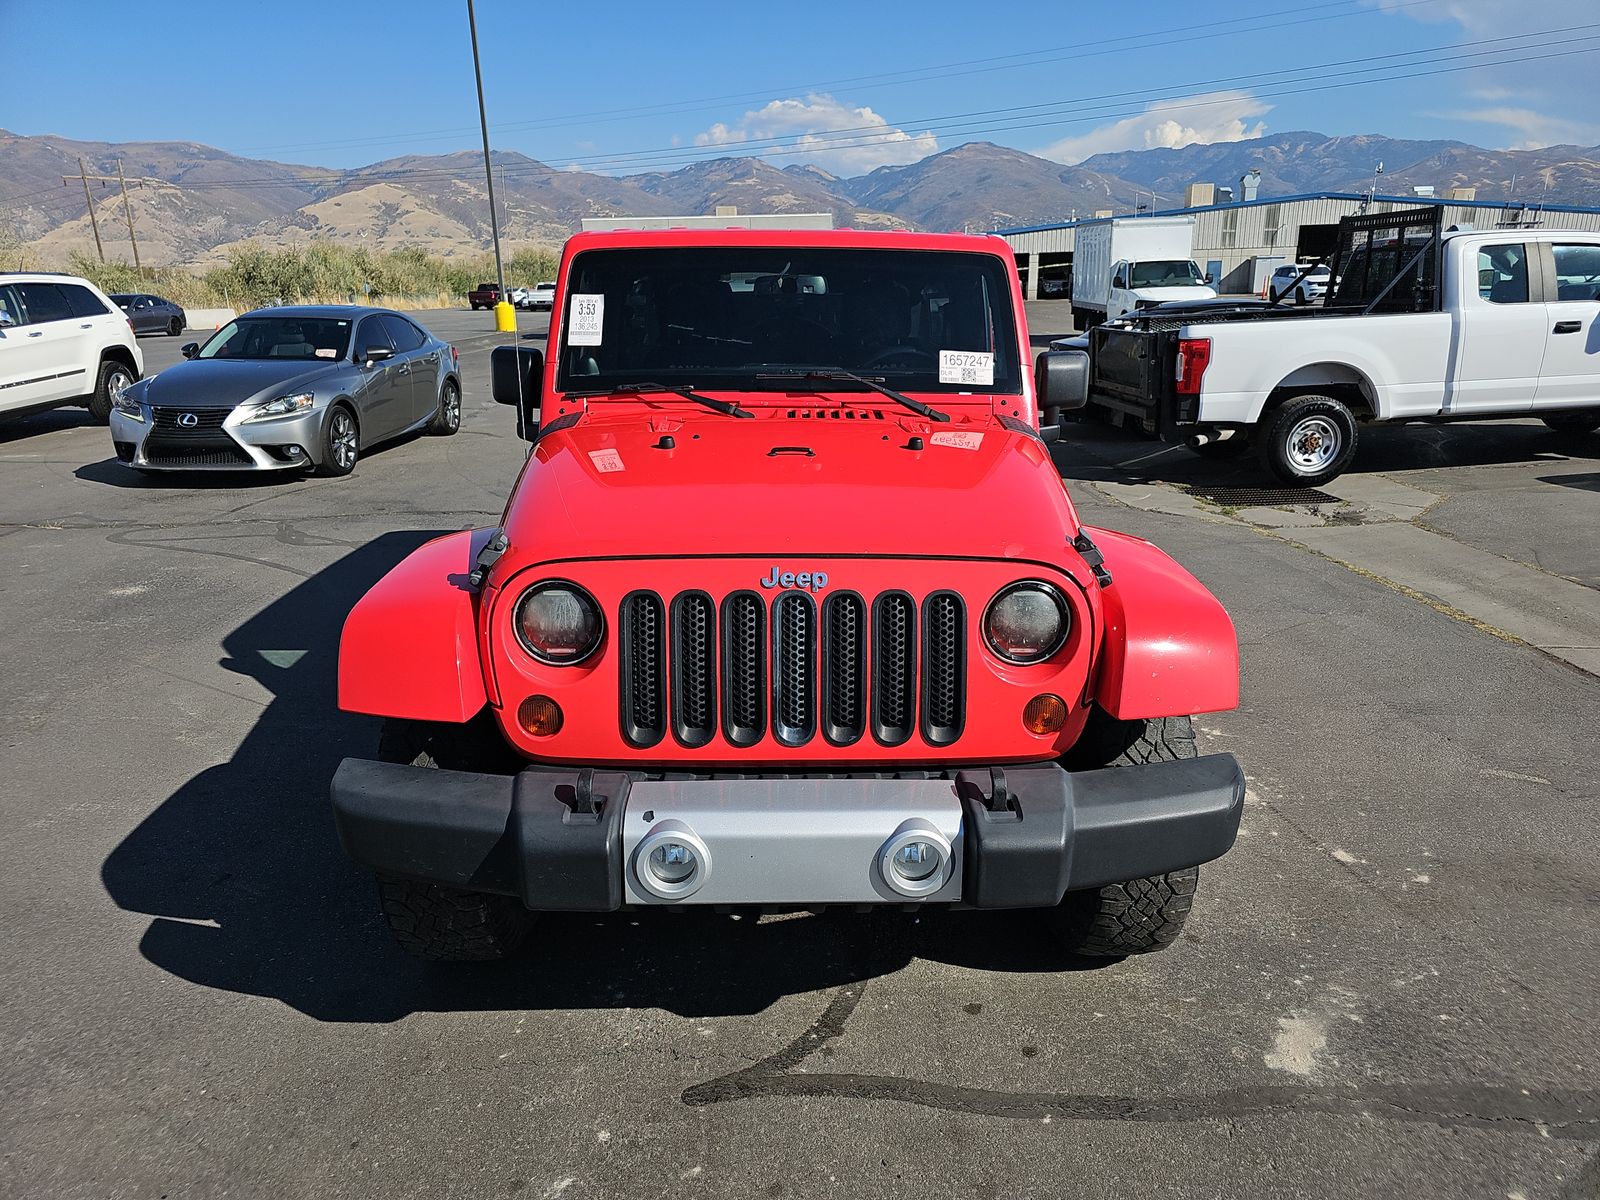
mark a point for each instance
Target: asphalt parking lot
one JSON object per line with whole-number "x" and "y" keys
{"x": 1387, "y": 989}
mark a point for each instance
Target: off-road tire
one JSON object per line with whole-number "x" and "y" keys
{"x": 1584, "y": 420}
{"x": 447, "y": 416}
{"x": 1137, "y": 916}
{"x": 1283, "y": 442}
{"x": 429, "y": 920}
{"x": 99, "y": 404}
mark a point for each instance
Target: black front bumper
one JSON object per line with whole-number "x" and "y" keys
{"x": 1028, "y": 834}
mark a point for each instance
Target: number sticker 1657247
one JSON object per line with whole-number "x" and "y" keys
{"x": 972, "y": 367}
{"x": 585, "y": 319}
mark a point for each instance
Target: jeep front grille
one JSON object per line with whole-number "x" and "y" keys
{"x": 845, "y": 669}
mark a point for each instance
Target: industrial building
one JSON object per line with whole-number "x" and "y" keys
{"x": 1238, "y": 242}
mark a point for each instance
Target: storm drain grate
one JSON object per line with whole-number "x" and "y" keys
{"x": 1247, "y": 497}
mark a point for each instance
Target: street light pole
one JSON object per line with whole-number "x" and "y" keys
{"x": 505, "y": 317}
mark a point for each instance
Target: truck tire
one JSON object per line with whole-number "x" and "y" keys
{"x": 1136, "y": 916}
{"x": 1307, "y": 440}
{"x": 429, "y": 920}
{"x": 1584, "y": 420}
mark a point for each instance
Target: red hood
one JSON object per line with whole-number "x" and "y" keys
{"x": 788, "y": 485}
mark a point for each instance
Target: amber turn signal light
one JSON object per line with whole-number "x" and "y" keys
{"x": 1045, "y": 714}
{"x": 539, "y": 715}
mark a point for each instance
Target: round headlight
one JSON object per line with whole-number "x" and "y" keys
{"x": 558, "y": 623}
{"x": 1026, "y": 622}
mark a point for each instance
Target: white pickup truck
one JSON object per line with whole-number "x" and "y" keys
{"x": 1420, "y": 325}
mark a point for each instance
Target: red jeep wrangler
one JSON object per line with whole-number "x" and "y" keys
{"x": 789, "y": 608}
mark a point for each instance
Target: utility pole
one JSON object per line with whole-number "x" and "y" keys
{"x": 505, "y": 317}
{"x": 94, "y": 224}
{"x": 127, "y": 209}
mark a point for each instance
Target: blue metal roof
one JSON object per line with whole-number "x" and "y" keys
{"x": 1357, "y": 197}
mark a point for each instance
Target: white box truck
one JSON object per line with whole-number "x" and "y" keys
{"x": 1120, "y": 264}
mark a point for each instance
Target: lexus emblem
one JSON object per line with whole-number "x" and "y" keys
{"x": 188, "y": 420}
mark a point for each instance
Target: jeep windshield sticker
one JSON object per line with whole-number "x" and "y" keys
{"x": 326, "y": 352}
{"x": 606, "y": 460}
{"x": 584, "y": 321}
{"x": 966, "y": 366}
{"x": 961, "y": 441}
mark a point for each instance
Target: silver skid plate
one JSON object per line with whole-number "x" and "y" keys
{"x": 791, "y": 841}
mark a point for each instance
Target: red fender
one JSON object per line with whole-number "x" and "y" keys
{"x": 410, "y": 645}
{"x": 1169, "y": 647}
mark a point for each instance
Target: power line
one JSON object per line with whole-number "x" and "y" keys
{"x": 974, "y": 123}
{"x": 1205, "y": 31}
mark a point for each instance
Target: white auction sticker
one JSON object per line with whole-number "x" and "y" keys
{"x": 585, "y": 319}
{"x": 966, "y": 366}
{"x": 606, "y": 460}
{"x": 960, "y": 440}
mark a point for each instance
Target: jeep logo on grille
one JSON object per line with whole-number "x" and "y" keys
{"x": 188, "y": 420}
{"x": 811, "y": 581}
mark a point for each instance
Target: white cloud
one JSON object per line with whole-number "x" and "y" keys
{"x": 863, "y": 140}
{"x": 1538, "y": 129}
{"x": 1528, "y": 77}
{"x": 1182, "y": 121}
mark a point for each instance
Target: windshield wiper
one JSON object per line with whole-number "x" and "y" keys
{"x": 916, "y": 406}
{"x": 726, "y": 407}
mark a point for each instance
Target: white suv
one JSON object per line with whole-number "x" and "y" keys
{"x": 62, "y": 341}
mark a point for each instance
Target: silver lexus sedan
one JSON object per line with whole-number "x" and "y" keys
{"x": 293, "y": 388}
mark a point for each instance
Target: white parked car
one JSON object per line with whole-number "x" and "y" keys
{"x": 520, "y": 297}
{"x": 544, "y": 295}
{"x": 1287, "y": 284}
{"x": 62, "y": 341}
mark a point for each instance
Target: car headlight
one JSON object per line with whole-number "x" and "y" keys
{"x": 558, "y": 623}
{"x": 1026, "y": 622}
{"x": 284, "y": 406}
{"x": 126, "y": 403}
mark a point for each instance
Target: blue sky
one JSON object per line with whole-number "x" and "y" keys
{"x": 626, "y": 86}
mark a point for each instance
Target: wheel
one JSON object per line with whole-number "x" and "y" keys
{"x": 114, "y": 379}
{"x": 448, "y": 417}
{"x": 1300, "y": 298}
{"x": 174, "y": 327}
{"x": 341, "y": 443}
{"x": 1136, "y": 916}
{"x": 429, "y": 920}
{"x": 474, "y": 308}
{"x": 1584, "y": 420}
{"x": 1308, "y": 440}
{"x": 1273, "y": 295}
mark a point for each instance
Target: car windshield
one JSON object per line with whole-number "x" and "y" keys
{"x": 725, "y": 316}
{"x": 121, "y": 298}
{"x": 1177, "y": 272}
{"x": 280, "y": 337}
{"x": 544, "y": 287}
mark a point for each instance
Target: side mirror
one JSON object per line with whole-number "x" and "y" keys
{"x": 190, "y": 350}
{"x": 516, "y": 378}
{"x": 1119, "y": 281}
{"x": 1061, "y": 377}
{"x": 378, "y": 354}
{"x": 1206, "y": 278}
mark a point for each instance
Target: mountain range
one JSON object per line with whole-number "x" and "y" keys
{"x": 192, "y": 203}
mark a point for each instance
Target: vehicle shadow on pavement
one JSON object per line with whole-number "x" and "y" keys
{"x": 116, "y": 474}
{"x": 16, "y": 428}
{"x": 1097, "y": 451}
{"x": 242, "y": 872}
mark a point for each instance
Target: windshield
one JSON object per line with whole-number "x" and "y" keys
{"x": 280, "y": 337}
{"x": 544, "y": 287}
{"x": 723, "y": 316}
{"x": 1177, "y": 272}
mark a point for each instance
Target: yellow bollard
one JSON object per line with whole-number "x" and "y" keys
{"x": 505, "y": 318}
